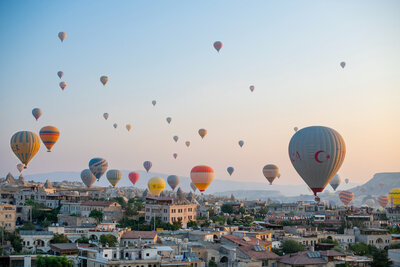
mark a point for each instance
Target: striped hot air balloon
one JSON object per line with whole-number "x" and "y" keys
{"x": 147, "y": 165}
{"x": 270, "y": 172}
{"x": 394, "y": 196}
{"x": 173, "y": 181}
{"x": 88, "y": 178}
{"x": 25, "y": 145}
{"x": 346, "y": 197}
{"x": 114, "y": 176}
{"x": 98, "y": 167}
{"x": 202, "y": 176}
{"x": 49, "y": 136}
{"x": 383, "y": 200}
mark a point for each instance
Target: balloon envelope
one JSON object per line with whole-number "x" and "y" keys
{"x": 175, "y": 155}
{"x": 202, "y": 132}
{"x": 176, "y": 138}
{"x": 317, "y": 153}
{"x": 105, "y": 115}
{"x": 154, "y": 102}
{"x": 230, "y": 170}
{"x": 104, "y": 79}
{"x": 133, "y": 177}
{"x": 252, "y": 88}
{"x": 187, "y": 143}
{"x": 218, "y": 45}
{"x": 60, "y": 74}
{"x": 241, "y": 143}
{"x": 98, "y": 167}
{"x": 173, "y": 181}
{"x": 346, "y": 180}
{"x": 25, "y": 145}
{"x": 296, "y": 129}
{"x": 128, "y": 127}
{"x": 270, "y": 172}
{"x": 394, "y": 196}
{"x": 156, "y": 185}
{"x": 147, "y": 165}
{"x": 49, "y": 136}
{"x": 114, "y": 176}
{"x": 62, "y": 36}
{"x": 63, "y": 85}
{"x": 169, "y": 120}
{"x": 335, "y": 182}
{"x": 202, "y": 176}
{"x": 88, "y": 178}
{"x": 36, "y": 112}
{"x": 342, "y": 64}
{"x": 383, "y": 200}
{"x": 346, "y": 197}
{"x": 115, "y": 125}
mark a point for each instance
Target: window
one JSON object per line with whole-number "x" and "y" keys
{"x": 147, "y": 254}
{"x": 105, "y": 255}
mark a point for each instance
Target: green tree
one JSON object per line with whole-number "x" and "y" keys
{"x": 108, "y": 239}
{"x": 53, "y": 261}
{"x": 291, "y": 246}
{"x": 83, "y": 240}
{"x": 13, "y": 238}
{"x": 28, "y": 226}
{"x": 97, "y": 214}
{"x": 380, "y": 259}
{"x": 227, "y": 208}
{"x": 121, "y": 201}
{"x": 59, "y": 238}
{"x": 212, "y": 263}
{"x": 192, "y": 224}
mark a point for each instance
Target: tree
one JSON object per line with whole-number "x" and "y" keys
{"x": 291, "y": 246}
{"x": 13, "y": 238}
{"x": 97, "y": 214}
{"x": 192, "y": 224}
{"x": 53, "y": 261}
{"x": 227, "y": 208}
{"x": 59, "y": 238}
{"x": 212, "y": 263}
{"x": 380, "y": 259}
{"x": 83, "y": 240}
{"x": 108, "y": 239}
{"x": 28, "y": 226}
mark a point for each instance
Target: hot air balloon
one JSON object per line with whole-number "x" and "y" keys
{"x": 114, "y": 176}
{"x": 270, "y": 172}
{"x": 169, "y": 120}
{"x": 394, "y": 196}
{"x": 241, "y": 143}
{"x": 346, "y": 197}
{"x": 62, "y": 36}
{"x": 63, "y": 85}
{"x": 230, "y": 170}
{"x": 296, "y": 129}
{"x": 60, "y": 74}
{"x": 105, "y": 115}
{"x": 20, "y": 167}
{"x": 133, "y": 177}
{"x": 88, "y": 178}
{"x": 193, "y": 186}
{"x": 175, "y": 155}
{"x": 98, "y": 167}
{"x": 147, "y": 165}
{"x": 176, "y": 138}
{"x": 370, "y": 203}
{"x": 202, "y": 132}
{"x": 202, "y": 176}
{"x": 128, "y": 127}
{"x": 187, "y": 143}
{"x": 154, "y": 102}
{"x": 346, "y": 180}
{"x": 156, "y": 185}
{"x": 342, "y": 64}
{"x": 115, "y": 125}
{"x": 252, "y": 88}
{"x": 104, "y": 80}
{"x": 36, "y": 112}
{"x": 335, "y": 182}
{"x": 383, "y": 200}
{"x": 317, "y": 153}
{"x": 279, "y": 175}
{"x": 218, "y": 45}
{"x": 25, "y": 145}
{"x": 173, "y": 181}
{"x": 49, "y": 136}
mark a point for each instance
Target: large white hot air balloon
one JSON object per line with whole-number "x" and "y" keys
{"x": 317, "y": 153}
{"x": 335, "y": 182}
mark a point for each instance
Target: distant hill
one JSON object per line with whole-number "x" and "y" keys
{"x": 254, "y": 194}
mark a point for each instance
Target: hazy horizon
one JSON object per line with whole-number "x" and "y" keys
{"x": 289, "y": 50}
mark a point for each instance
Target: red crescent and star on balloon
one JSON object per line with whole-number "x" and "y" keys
{"x": 317, "y": 156}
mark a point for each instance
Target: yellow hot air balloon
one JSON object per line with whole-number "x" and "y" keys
{"x": 202, "y": 132}
{"x": 129, "y": 127}
{"x": 49, "y": 136}
{"x": 156, "y": 185}
{"x": 394, "y": 196}
{"x": 25, "y": 145}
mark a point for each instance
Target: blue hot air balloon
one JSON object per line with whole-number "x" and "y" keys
{"x": 230, "y": 170}
{"x": 147, "y": 165}
{"x": 98, "y": 167}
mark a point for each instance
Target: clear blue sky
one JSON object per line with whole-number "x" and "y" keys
{"x": 162, "y": 50}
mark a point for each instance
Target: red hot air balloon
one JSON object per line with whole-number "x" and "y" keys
{"x": 202, "y": 176}
{"x": 383, "y": 200}
{"x": 218, "y": 45}
{"x": 346, "y": 197}
{"x": 133, "y": 177}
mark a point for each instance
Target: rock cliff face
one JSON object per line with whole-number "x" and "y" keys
{"x": 380, "y": 184}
